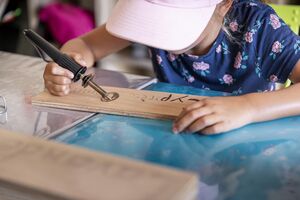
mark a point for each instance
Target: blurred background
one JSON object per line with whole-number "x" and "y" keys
{"x": 59, "y": 21}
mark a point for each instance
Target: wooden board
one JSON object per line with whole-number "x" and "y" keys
{"x": 142, "y": 103}
{"x": 32, "y": 168}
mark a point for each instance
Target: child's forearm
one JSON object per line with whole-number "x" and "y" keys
{"x": 277, "y": 104}
{"x": 101, "y": 43}
{"x": 77, "y": 45}
{"x": 95, "y": 45}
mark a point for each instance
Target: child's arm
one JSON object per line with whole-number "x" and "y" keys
{"x": 277, "y": 104}
{"x": 85, "y": 50}
{"x": 220, "y": 114}
{"x": 95, "y": 45}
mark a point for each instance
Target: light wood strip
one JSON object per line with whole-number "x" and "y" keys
{"x": 141, "y": 103}
{"x": 32, "y": 168}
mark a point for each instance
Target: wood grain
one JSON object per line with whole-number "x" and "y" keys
{"x": 35, "y": 169}
{"x": 141, "y": 103}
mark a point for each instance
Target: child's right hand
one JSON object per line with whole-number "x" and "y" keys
{"x": 57, "y": 79}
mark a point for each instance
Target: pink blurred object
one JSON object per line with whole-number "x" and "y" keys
{"x": 66, "y": 21}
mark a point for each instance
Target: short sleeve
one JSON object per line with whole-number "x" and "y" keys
{"x": 277, "y": 47}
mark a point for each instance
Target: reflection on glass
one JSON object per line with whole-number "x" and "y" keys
{"x": 3, "y": 110}
{"x": 3, "y": 107}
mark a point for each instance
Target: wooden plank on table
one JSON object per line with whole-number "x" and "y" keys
{"x": 141, "y": 103}
{"x": 36, "y": 169}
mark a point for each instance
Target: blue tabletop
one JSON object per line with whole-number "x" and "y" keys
{"x": 259, "y": 161}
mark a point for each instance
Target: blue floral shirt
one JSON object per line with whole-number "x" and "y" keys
{"x": 266, "y": 52}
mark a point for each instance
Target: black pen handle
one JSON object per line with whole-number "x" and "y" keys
{"x": 67, "y": 62}
{"x": 61, "y": 59}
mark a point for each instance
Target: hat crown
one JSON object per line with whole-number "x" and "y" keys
{"x": 185, "y": 3}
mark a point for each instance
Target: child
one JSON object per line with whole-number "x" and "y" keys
{"x": 235, "y": 46}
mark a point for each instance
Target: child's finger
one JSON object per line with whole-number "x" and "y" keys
{"x": 188, "y": 109}
{"x": 55, "y": 69}
{"x": 189, "y": 117}
{"x": 202, "y": 123}
{"x": 55, "y": 89}
{"x": 57, "y": 93}
{"x": 215, "y": 129}
{"x": 59, "y": 80}
{"x": 194, "y": 106}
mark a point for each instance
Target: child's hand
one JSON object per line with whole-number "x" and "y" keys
{"x": 215, "y": 115}
{"x": 57, "y": 79}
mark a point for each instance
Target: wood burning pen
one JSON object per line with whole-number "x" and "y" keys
{"x": 67, "y": 62}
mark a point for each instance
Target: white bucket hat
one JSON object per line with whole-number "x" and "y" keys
{"x": 171, "y": 25}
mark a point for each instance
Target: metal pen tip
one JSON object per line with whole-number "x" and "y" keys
{"x": 106, "y": 96}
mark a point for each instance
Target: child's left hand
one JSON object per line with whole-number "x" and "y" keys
{"x": 215, "y": 115}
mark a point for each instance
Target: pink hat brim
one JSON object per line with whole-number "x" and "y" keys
{"x": 168, "y": 28}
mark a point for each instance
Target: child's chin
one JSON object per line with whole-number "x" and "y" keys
{"x": 179, "y": 51}
{"x": 187, "y": 50}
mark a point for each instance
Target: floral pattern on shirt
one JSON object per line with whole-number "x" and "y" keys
{"x": 297, "y": 46}
{"x": 273, "y": 78}
{"x": 248, "y": 36}
{"x": 237, "y": 92}
{"x": 223, "y": 48}
{"x": 202, "y": 67}
{"x": 274, "y": 21}
{"x": 226, "y": 79}
{"x": 240, "y": 57}
{"x": 277, "y": 48}
{"x": 258, "y": 70}
{"x": 172, "y": 57}
{"x": 159, "y": 59}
